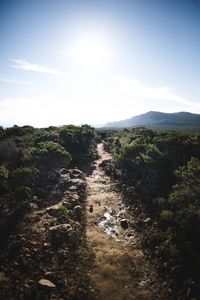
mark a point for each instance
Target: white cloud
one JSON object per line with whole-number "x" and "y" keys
{"x": 36, "y": 111}
{"x": 28, "y": 66}
{"x": 20, "y": 82}
{"x": 96, "y": 102}
{"x": 72, "y": 108}
{"x": 137, "y": 89}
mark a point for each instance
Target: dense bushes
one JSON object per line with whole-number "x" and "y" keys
{"x": 28, "y": 156}
{"x": 164, "y": 169}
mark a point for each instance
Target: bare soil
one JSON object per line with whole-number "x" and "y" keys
{"x": 122, "y": 270}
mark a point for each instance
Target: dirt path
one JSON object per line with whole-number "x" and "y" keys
{"x": 121, "y": 269}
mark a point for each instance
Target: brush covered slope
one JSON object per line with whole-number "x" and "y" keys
{"x": 160, "y": 171}
{"x": 159, "y": 120}
{"x": 44, "y": 252}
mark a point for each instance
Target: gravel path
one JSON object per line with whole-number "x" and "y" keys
{"x": 121, "y": 270}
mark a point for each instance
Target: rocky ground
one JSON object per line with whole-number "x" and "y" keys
{"x": 46, "y": 256}
{"x": 122, "y": 270}
{"x": 86, "y": 242}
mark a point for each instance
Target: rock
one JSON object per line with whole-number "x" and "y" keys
{"x": 33, "y": 206}
{"x": 75, "y": 173}
{"x": 72, "y": 188}
{"x": 153, "y": 241}
{"x": 54, "y": 197}
{"x": 50, "y": 275}
{"x": 131, "y": 233}
{"x": 79, "y": 183}
{"x": 147, "y": 220}
{"x": 73, "y": 203}
{"x": 60, "y": 233}
{"x": 105, "y": 163}
{"x": 53, "y": 211}
{"x": 67, "y": 204}
{"x": 77, "y": 211}
{"x": 64, "y": 171}
{"x": 46, "y": 283}
{"x": 72, "y": 238}
{"x": 74, "y": 196}
{"x": 124, "y": 223}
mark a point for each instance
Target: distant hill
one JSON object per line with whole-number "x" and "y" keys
{"x": 160, "y": 120}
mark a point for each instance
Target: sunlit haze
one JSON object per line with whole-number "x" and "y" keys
{"x": 90, "y": 51}
{"x": 97, "y": 61}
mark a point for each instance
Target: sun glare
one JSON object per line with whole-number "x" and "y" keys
{"x": 90, "y": 51}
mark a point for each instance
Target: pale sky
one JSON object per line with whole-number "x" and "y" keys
{"x": 77, "y": 62}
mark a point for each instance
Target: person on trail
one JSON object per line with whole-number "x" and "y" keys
{"x": 90, "y": 208}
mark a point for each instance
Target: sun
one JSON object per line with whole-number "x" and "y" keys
{"x": 90, "y": 51}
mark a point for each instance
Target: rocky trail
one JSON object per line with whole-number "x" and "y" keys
{"x": 61, "y": 251}
{"x": 122, "y": 270}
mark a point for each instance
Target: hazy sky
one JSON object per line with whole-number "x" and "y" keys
{"x": 93, "y": 61}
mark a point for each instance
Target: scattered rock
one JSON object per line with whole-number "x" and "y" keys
{"x": 60, "y": 233}
{"x": 46, "y": 283}
{"x": 77, "y": 173}
{"x": 50, "y": 275}
{"x": 131, "y": 233}
{"x": 124, "y": 223}
{"x": 104, "y": 163}
{"x": 73, "y": 188}
{"x": 77, "y": 211}
{"x": 67, "y": 204}
{"x": 53, "y": 211}
{"x": 72, "y": 238}
{"x": 73, "y": 203}
{"x": 147, "y": 221}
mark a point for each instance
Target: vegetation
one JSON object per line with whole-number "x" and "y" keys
{"x": 164, "y": 169}
{"x": 28, "y": 156}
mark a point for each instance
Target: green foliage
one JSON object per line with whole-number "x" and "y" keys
{"x": 166, "y": 215}
{"x": 28, "y": 156}
{"x": 63, "y": 210}
{"x": 185, "y": 202}
{"x": 51, "y": 155}
{"x": 23, "y": 193}
{"x": 164, "y": 168}
{"x": 3, "y": 173}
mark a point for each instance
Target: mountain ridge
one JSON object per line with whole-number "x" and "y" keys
{"x": 155, "y": 119}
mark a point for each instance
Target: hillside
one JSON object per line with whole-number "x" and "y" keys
{"x": 154, "y": 119}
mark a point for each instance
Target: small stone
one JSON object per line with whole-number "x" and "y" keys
{"x": 147, "y": 220}
{"x": 46, "y": 283}
{"x": 72, "y": 188}
{"x": 50, "y": 275}
{"x": 77, "y": 211}
{"x": 124, "y": 223}
{"x": 66, "y": 204}
{"x": 60, "y": 233}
